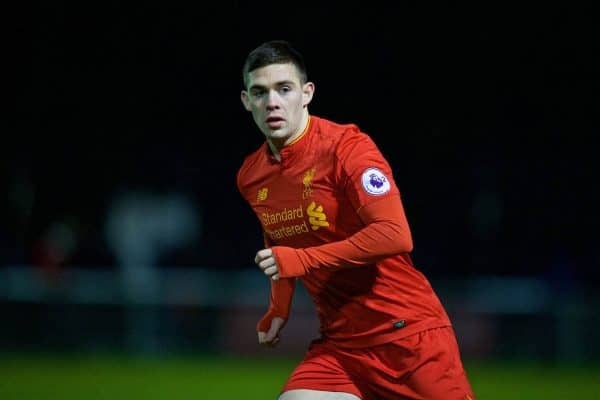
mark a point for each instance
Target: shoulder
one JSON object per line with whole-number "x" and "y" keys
{"x": 339, "y": 135}
{"x": 346, "y": 138}
{"x": 329, "y": 128}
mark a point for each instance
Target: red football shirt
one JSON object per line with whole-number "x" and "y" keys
{"x": 332, "y": 213}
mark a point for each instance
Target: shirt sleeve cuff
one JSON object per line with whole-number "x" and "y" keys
{"x": 289, "y": 262}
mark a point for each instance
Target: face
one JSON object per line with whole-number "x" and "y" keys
{"x": 278, "y": 102}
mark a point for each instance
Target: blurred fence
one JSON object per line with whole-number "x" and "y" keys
{"x": 198, "y": 310}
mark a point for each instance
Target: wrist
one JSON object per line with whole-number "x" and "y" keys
{"x": 289, "y": 262}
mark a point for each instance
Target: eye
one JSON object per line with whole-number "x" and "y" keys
{"x": 285, "y": 89}
{"x": 258, "y": 93}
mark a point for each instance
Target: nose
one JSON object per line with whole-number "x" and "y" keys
{"x": 272, "y": 100}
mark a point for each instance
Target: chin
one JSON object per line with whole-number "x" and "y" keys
{"x": 277, "y": 134}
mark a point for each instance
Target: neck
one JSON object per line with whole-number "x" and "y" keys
{"x": 277, "y": 145}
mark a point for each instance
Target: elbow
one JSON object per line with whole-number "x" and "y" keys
{"x": 390, "y": 238}
{"x": 408, "y": 247}
{"x": 403, "y": 244}
{"x": 401, "y": 238}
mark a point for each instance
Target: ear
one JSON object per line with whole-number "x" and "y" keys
{"x": 308, "y": 89}
{"x": 245, "y": 100}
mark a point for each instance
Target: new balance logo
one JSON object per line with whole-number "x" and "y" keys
{"x": 262, "y": 194}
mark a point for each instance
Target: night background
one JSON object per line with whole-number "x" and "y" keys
{"x": 487, "y": 115}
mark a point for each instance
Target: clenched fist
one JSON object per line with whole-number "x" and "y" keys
{"x": 266, "y": 262}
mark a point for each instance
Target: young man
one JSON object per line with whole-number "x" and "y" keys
{"x": 332, "y": 216}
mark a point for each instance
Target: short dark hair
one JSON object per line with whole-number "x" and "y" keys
{"x": 274, "y": 52}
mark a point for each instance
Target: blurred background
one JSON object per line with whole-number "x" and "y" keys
{"x": 123, "y": 238}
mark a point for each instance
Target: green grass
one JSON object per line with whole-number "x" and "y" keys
{"x": 224, "y": 378}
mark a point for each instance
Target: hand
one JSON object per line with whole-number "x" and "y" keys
{"x": 266, "y": 262}
{"x": 271, "y": 338}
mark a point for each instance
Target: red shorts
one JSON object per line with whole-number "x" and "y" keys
{"x": 425, "y": 365}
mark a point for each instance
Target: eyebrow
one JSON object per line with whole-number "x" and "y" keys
{"x": 280, "y": 83}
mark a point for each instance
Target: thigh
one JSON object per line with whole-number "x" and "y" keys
{"x": 306, "y": 394}
{"x": 323, "y": 369}
{"x": 441, "y": 374}
{"x": 426, "y": 365}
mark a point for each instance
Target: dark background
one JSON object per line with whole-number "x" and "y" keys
{"x": 487, "y": 114}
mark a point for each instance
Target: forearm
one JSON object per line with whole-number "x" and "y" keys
{"x": 282, "y": 292}
{"x": 386, "y": 234}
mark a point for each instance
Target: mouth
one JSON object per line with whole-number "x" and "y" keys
{"x": 275, "y": 122}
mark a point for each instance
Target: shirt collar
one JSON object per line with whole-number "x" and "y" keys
{"x": 292, "y": 150}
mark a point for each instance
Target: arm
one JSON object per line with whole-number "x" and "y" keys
{"x": 282, "y": 292}
{"x": 386, "y": 233}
